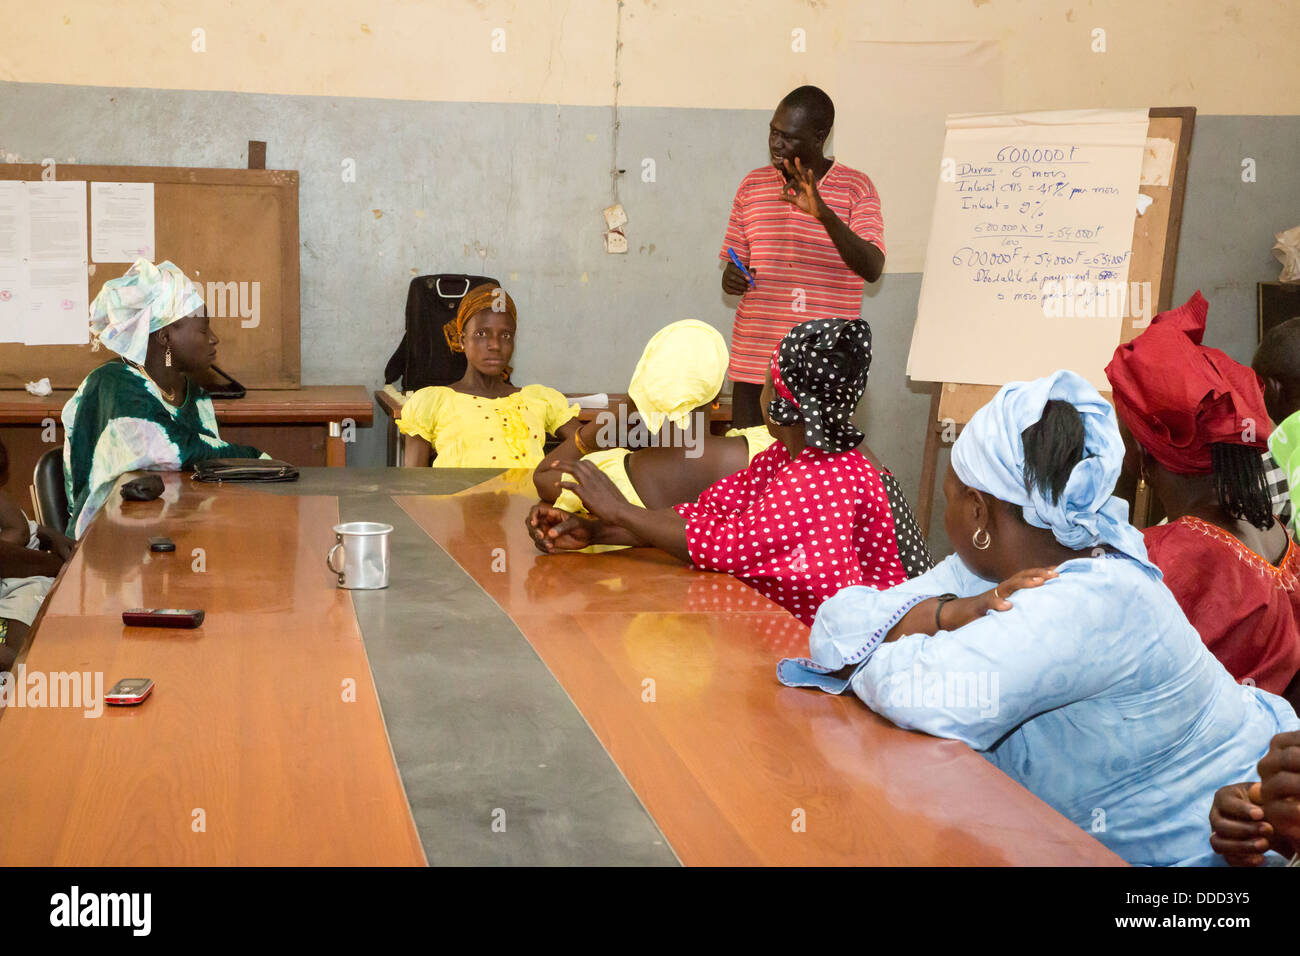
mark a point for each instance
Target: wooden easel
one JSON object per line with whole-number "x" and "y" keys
{"x": 1155, "y": 247}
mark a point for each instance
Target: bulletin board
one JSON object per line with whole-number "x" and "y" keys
{"x": 220, "y": 226}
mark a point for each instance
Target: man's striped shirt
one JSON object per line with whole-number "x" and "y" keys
{"x": 800, "y": 274}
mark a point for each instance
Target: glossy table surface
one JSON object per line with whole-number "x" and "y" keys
{"x": 263, "y": 741}
{"x": 674, "y": 670}
{"x": 542, "y": 709}
{"x": 500, "y": 767}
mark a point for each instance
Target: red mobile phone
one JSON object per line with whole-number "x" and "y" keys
{"x": 161, "y": 617}
{"x": 129, "y": 691}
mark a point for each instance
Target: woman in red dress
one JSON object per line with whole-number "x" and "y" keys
{"x": 1199, "y": 429}
{"x": 812, "y": 514}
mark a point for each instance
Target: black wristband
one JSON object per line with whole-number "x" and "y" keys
{"x": 943, "y": 599}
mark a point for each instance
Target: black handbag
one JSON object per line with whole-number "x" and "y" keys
{"x": 244, "y": 469}
{"x": 423, "y": 357}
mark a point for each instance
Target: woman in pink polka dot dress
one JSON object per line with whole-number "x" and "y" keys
{"x": 809, "y": 516}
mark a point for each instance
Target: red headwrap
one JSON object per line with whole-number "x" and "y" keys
{"x": 1179, "y": 397}
{"x": 778, "y": 383}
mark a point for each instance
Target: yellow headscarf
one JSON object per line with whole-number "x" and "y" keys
{"x": 683, "y": 366}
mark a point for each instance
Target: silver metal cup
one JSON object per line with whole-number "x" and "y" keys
{"x": 363, "y": 550}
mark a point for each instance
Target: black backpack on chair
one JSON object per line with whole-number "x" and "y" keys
{"x": 424, "y": 357}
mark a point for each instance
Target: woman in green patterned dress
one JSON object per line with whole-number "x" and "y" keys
{"x": 142, "y": 411}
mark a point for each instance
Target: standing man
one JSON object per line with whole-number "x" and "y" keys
{"x": 808, "y": 229}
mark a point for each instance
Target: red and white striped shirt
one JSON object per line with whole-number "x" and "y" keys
{"x": 800, "y": 274}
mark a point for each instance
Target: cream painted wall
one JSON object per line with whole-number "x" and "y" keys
{"x": 1232, "y": 57}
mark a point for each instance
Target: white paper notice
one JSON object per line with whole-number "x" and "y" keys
{"x": 57, "y": 291}
{"x": 1026, "y": 270}
{"x": 58, "y": 304}
{"x": 57, "y": 221}
{"x": 13, "y": 261}
{"x": 13, "y": 301}
{"x": 13, "y": 221}
{"x": 121, "y": 222}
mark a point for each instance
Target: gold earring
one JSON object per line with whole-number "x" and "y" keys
{"x": 167, "y": 358}
{"x": 986, "y": 541}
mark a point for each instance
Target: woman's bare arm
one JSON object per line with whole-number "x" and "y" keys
{"x": 546, "y": 479}
{"x": 416, "y": 452}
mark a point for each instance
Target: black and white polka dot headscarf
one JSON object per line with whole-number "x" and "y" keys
{"x": 819, "y": 372}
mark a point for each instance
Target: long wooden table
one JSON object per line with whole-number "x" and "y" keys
{"x": 674, "y": 670}
{"x": 249, "y": 751}
{"x": 604, "y": 709}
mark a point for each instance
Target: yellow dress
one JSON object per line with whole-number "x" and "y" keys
{"x": 467, "y": 431}
{"x": 613, "y": 462}
{"x": 757, "y": 437}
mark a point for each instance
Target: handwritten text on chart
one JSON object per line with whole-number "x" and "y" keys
{"x": 1023, "y": 241}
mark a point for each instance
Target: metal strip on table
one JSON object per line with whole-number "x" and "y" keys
{"x": 498, "y": 765}
{"x": 674, "y": 670}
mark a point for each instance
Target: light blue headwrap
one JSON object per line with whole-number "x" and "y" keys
{"x": 149, "y": 297}
{"x": 989, "y": 456}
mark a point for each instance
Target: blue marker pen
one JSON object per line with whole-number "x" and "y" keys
{"x": 740, "y": 265}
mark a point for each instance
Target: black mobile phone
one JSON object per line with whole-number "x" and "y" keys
{"x": 161, "y": 617}
{"x": 162, "y": 544}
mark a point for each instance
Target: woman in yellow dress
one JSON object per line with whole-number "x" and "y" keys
{"x": 673, "y": 388}
{"x": 483, "y": 421}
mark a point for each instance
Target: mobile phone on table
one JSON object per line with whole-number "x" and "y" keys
{"x": 162, "y": 544}
{"x": 161, "y": 617}
{"x": 129, "y": 691}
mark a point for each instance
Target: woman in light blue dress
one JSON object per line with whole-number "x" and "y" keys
{"x": 1089, "y": 686}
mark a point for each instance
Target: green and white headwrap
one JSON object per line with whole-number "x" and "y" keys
{"x": 1284, "y": 446}
{"x": 148, "y": 298}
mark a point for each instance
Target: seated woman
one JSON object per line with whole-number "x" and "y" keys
{"x": 809, "y": 516}
{"x": 483, "y": 421}
{"x": 1250, "y": 819}
{"x": 30, "y": 557}
{"x": 1101, "y": 700}
{"x": 142, "y": 412}
{"x": 1277, "y": 361}
{"x": 676, "y": 381}
{"x": 1199, "y": 425}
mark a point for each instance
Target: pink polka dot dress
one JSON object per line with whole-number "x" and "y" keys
{"x": 799, "y": 531}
